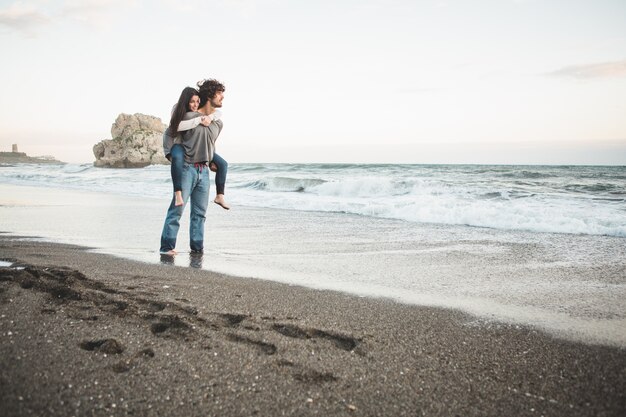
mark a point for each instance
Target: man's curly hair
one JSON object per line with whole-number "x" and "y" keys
{"x": 208, "y": 88}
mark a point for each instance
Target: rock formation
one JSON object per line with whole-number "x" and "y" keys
{"x": 137, "y": 142}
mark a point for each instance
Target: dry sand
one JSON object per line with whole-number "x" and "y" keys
{"x": 88, "y": 334}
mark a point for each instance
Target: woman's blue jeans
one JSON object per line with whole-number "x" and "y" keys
{"x": 220, "y": 175}
{"x": 195, "y": 186}
{"x": 177, "y": 154}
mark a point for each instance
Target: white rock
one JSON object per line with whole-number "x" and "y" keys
{"x": 137, "y": 142}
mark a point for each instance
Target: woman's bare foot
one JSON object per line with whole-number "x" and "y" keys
{"x": 179, "y": 198}
{"x": 220, "y": 201}
{"x": 170, "y": 252}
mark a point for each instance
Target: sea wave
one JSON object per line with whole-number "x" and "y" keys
{"x": 541, "y": 199}
{"x": 532, "y": 213}
{"x": 285, "y": 184}
{"x": 595, "y": 188}
{"x": 528, "y": 174}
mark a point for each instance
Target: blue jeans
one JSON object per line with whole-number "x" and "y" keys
{"x": 195, "y": 185}
{"x": 177, "y": 155}
{"x": 220, "y": 174}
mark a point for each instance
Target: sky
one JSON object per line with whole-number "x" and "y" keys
{"x": 363, "y": 81}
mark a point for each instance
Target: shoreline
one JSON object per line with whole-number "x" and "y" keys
{"x": 513, "y": 277}
{"x": 85, "y": 331}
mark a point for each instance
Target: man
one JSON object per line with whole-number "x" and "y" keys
{"x": 199, "y": 144}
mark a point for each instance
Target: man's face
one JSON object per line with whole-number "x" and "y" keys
{"x": 216, "y": 102}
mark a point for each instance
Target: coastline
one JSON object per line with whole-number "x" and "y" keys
{"x": 13, "y": 158}
{"x": 196, "y": 342}
{"x": 569, "y": 285}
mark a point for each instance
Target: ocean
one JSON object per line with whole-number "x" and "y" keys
{"x": 541, "y": 246}
{"x": 554, "y": 199}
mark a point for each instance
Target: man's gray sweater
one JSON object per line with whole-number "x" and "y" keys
{"x": 199, "y": 142}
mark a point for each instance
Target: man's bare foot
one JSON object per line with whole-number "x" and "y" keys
{"x": 220, "y": 201}
{"x": 170, "y": 252}
{"x": 179, "y": 198}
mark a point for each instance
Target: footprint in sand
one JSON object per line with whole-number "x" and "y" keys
{"x": 267, "y": 348}
{"x": 305, "y": 374}
{"x": 171, "y": 323}
{"x": 110, "y": 346}
{"x": 343, "y": 342}
{"x": 126, "y": 365}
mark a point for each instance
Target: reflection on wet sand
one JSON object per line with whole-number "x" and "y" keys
{"x": 195, "y": 260}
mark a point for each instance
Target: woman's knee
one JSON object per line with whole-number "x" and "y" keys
{"x": 221, "y": 163}
{"x": 177, "y": 152}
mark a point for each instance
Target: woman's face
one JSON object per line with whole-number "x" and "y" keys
{"x": 194, "y": 103}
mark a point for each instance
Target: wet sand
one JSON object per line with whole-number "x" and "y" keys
{"x": 89, "y": 334}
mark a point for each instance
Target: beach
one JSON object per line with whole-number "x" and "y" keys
{"x": 90, "y": 334}
{"x": 446, "y": 237}
{"x": 571, "y": 285}
{"x": 305, "y": 312}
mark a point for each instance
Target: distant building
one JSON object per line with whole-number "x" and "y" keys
{"x": 15, "y": 157}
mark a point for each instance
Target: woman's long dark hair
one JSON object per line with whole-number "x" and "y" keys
{"x": 181, "y": 108}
